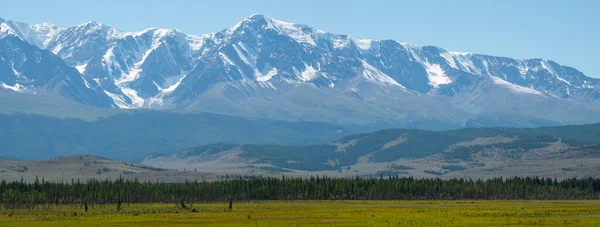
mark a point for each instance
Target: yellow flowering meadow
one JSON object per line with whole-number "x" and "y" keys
{"x": 316, "y": 213}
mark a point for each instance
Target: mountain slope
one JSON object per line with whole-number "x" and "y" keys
{"x": 267, "y": 68}
{"x": 129, "y": 136}
{"x": 26, "y": 68}
{"x": 39, "y": 34}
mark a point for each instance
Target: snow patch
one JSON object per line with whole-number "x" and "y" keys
{"x": 243, "y": 53}
{"x": 108, "y": 59}
{"x": 97, "y": 80}
{"x": 86, "y": 83}
{"x": 226, "y": 60}
{"x": 5, "y": 30}
{"x": 449, "y": 57}
{"x": 465, "y": 63}
{"x": 460, "y": 53}
{"x": 309, "y": 73}
{"x": 373, "y": 74}
{"x": 136, "y": 101}
{"x": 118, "y": 100}
{"x": 461, "y": 61}
{"x": 18, "y": 74}
{"x": 436, "y": 75}
{"x": 57, "y": 48}
{"x": 364, "y": 44}
{"x": 587, "y": 84}
{"x": 523, "y": 68}
{"x": 172, "y": 87}
{"x": 340, "y": 43}
{"x": 300, "y": 33}
{"x": 549, "y": 68}
{"x": 17, "y": 87}
{"x": 553, "y": 95}
{"x": 81, "y": 68}
{"x": 159, "y": 98}
{"x": 268, "y": 76}
{"x": 196, "y": 42}
{"x": 412, "y": 51}
{"x": 563, "y": 80}
{"x": 514, "y": 87}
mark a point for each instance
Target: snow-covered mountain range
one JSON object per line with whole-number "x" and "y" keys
{"x": 266, "y": 68}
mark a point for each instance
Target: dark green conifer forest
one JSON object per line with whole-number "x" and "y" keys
{"x": 243, "y": 188}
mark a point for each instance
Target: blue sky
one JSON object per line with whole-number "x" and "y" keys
{"x": 567, "y": 32}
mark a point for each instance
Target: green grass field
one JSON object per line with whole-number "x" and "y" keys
{"x": 318, "y": 213}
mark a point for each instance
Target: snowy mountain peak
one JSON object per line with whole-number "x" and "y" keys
{"x": 46, "y": 32}
{"x": 256, "y": 23}
{"x": 158, "y": 32}
{"x": 167, "y": 32}
{"x": 39, "y": 35}
{"x": 91, "y": 27}
{"x": 271, "y": 22}
{"x": 91, "y": 24}
{"x": 6, "y": 30}
{"x": 165, "y": 68}
{"x": 258, "y": 16}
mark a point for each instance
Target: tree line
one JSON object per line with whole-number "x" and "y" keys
{"x": 20, "y": 194}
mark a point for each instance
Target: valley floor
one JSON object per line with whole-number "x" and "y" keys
{"x": 317, "y": 213}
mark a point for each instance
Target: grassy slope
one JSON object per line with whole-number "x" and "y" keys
{"x": 84, "y": 167}
{"x": 418, "y": 144}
